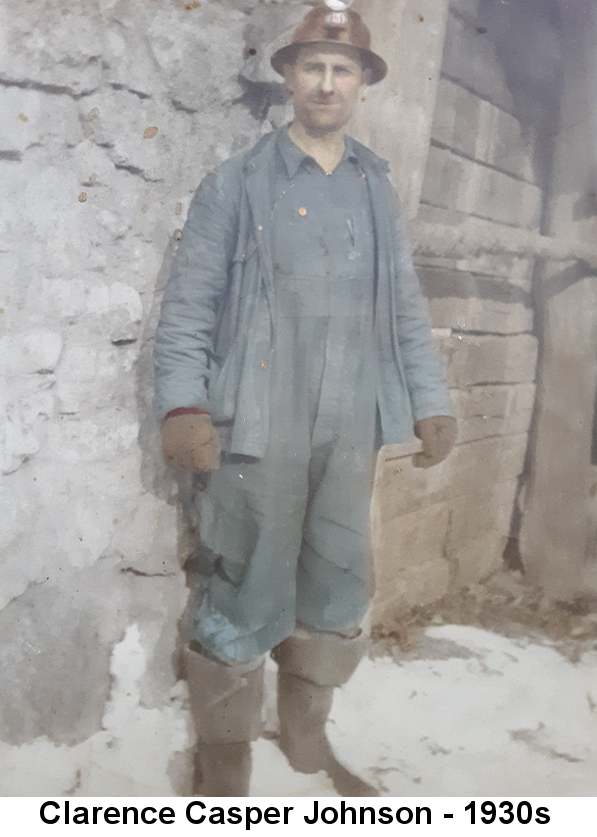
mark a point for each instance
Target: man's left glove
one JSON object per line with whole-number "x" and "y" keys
{"x": 190, "y": 442}
{"x": 438, "y": 434}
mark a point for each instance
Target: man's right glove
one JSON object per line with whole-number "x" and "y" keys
{"x": 190, "y": 442}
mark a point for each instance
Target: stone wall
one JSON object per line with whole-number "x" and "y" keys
{"x": 111, "y": 114}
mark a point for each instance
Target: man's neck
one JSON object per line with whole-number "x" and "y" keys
{"x": 327, "y": 149}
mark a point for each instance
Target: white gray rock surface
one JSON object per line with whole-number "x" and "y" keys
{"x": 111, "y": 113}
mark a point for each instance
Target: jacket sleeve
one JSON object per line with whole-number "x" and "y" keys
{"x": 192, "y": 298}
{"x": 422, "y": 364}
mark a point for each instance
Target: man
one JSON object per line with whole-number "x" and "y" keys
{"x": 294, "y": 337}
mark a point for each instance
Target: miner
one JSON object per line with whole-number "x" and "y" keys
{"x": 293, "y": 342}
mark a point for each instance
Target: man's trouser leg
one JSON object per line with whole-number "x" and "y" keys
{"x": 310, "y": 666}
{"x": 226, "y": 709}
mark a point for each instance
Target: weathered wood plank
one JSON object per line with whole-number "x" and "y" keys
{"x": 476, "y": 128}
{"x": 470, "y": 59}
{"x": 514, "y": 271}
{"x": 453, "y": 182}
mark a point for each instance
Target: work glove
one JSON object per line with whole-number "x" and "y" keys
{"x": 190, "y": 442}
{"x": 438, "y": 434}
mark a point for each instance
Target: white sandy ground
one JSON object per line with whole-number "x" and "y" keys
{"x": 469, "y": 713}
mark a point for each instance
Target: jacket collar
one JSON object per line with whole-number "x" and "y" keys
{"x": 294, "y": 157}
{"x": 263, "y": 154}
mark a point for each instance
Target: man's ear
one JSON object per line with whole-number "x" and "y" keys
{"x": 288, "y": 77}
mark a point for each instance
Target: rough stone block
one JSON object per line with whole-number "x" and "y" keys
{"x": 66, "y": 60}
{"x": 477, "y": 465}
{"x": 473, "y": 516}
{"x": 400, "y": 488}
{"x": 478, "y": 559}
{"x": 457, "y": 183}
{"x": 493, "y": 410}
{"x": 54, "y": 666}
{"x": 466, "y": 302}
{"x": 480, "y": 315}
{"x": 459, "y": 540}
{"x": 489, "y": 359}
{"x": 23, "y": 111}
{"x": 410, "y": 540}
{"x": 38, "y": 351}
{"x": 90, "y": 376}
{"x": 147, "y": 539}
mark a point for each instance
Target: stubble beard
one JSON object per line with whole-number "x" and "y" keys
{"x": 319, "y": 121}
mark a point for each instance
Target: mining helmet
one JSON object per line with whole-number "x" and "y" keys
{"x": 333, "y": 22}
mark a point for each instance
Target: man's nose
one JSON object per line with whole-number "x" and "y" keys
{"x": 327, "y": 80}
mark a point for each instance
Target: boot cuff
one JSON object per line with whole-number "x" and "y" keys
{"x": 321, "y": 658}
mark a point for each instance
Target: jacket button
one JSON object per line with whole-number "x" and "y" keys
{"x": 262, "y": 365}
{"x": 260, "y": 229}
{"x": 302, "y": 211}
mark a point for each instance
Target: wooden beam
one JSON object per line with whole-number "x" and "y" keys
{"x": 476, "y": 236}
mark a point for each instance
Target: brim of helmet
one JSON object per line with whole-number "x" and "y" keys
{"x": 374, "y": 62}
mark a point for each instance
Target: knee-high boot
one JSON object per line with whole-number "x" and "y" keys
{"x": 310, "y": 666}
{"x": 226, "y": 709}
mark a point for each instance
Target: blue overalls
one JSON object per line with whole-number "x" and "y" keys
{"x": 286, "y": 537}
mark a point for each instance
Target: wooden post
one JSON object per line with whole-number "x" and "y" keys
{"x": 555, "y": 508}
{"x": 396, "y": 117}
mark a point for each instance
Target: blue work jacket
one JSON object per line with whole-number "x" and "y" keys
{"x": 215, "y": 338}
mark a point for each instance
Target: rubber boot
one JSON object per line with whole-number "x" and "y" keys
{"x": 226, "y": 709}
{"x": 310, "y": 666}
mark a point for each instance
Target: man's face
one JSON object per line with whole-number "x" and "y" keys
{"x": 325, "y": 82}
